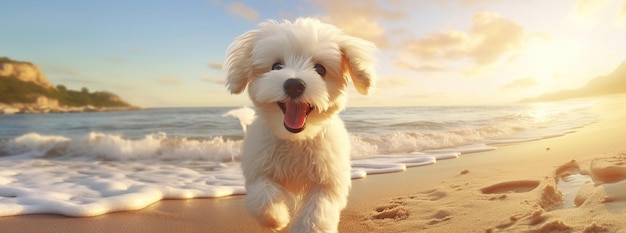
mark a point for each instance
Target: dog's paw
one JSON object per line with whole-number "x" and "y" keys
{"x": 275, "y": 216}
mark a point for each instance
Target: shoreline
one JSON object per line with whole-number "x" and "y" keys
{"x": 11, "y": 109}
{"x": 445, "y": 197}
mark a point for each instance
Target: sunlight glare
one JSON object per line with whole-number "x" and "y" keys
{"x": 543, "y": 56}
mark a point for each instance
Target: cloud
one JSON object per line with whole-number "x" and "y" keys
{"x": 489, "y": 38}
{"x": 212, "y": 79}
{"x": 493, "y": 36}
{"x": 215, "y": 65}
{"x": 243, "y": 11}
{"x": 521, "y": 83}
{"x": 361, "y": 18}
{"x": 170, "y": 81}
{"x": 439, "y": 45}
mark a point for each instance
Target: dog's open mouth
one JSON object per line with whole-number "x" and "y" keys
{"x": 295, "y": 115}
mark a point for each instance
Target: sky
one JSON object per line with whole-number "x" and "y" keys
{"x": 439, "y": 52}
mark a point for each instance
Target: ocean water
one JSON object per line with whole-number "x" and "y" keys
{"x": 88, "y": 164}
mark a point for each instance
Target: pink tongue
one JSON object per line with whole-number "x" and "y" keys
{"x": 295, "y": 115}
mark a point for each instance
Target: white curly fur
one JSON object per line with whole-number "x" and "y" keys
{"x": 311, "y": 168}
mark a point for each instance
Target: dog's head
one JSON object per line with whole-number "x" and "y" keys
{"x": 297, "y": 73}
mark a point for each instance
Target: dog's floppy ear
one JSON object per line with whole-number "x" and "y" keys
{"x": 239, "y": 62}
{"x": 357, "y": 61}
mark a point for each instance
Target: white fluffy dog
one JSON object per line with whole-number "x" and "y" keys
{"x": 297, "y": 149}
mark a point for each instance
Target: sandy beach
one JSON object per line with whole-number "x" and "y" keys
{"x": 522, "y": 187}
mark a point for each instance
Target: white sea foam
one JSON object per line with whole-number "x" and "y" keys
{"x": 93, "y": 188}
{"x": 102, "y": 173}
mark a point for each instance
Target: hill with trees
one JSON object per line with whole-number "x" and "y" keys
{"x": 25, "y": 89}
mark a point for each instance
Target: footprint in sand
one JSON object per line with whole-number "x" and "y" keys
{"x": 607, "y": 177}
{"x": 431, "y": 195}
{"x": 571, "y": 183}
{"x": 394, "y": 210}
{"x": 440, "y": 216}
{"x": 518, "y": 186}
{"x": 574, "y": 188}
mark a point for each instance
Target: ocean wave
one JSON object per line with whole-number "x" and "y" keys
{"x": 160, "y": 146}
{"x": 415, "y": 141}
{"x": 99, "y": 146}
{"x": 496, "y": 126}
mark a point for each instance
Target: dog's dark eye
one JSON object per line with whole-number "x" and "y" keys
{"x": 320, "y": 69}
{"x": 277, "y": 66}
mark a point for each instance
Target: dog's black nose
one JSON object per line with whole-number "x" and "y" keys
{"x": 294, "y": 87}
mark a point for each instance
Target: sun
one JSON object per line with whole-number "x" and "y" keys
{"x": 542, "y": 55}
{"x": 546, "y": 57}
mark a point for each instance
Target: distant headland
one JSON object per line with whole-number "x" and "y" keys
{"x": 612, "y": 83}
{"x": 25, "y": 89}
